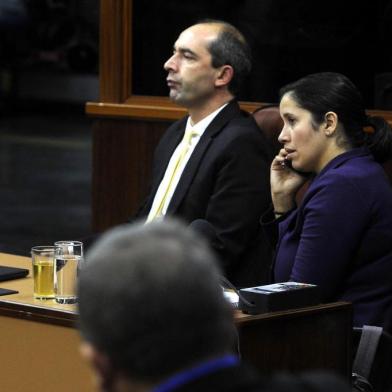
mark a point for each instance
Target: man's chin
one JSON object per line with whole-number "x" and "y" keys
{"x": 177, "y": 99}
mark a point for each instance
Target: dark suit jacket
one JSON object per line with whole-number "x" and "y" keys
{"x": 226, "y": 183}
{"x": 244, "y": 378}
{"x": 239, "y": 378}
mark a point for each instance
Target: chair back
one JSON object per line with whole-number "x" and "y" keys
{"x": 269, "y": 121}
{"x": 388, "y": 169}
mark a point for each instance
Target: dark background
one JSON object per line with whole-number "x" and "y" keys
{"x": 48, "y": 70}
{"x": 289, "y": 39}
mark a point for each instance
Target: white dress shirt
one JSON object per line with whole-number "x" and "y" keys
{"x": 198, "y": 129}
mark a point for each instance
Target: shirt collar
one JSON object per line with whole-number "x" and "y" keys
{"x": 202, "y": 125}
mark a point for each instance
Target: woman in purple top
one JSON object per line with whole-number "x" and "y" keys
{"x": 340, "y": 237}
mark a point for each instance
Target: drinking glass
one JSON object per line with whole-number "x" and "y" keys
{"x": 67, "y": 261}
{"x": 42, "y": 258}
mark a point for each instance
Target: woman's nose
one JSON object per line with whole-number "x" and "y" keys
{"x": 283, "y": 136}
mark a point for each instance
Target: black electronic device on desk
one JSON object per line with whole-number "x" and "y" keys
{"x": 277, "y": 296}
{"x": 9, "y": 273}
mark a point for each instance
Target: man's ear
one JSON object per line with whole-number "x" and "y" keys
{"x": 331, "y": 123}
{"x": 101, "y": 364}
{"x": 225, "y": 74}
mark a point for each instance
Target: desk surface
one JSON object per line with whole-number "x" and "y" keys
{"x": 24, "y": 305}
{"x": 38, "y": 342}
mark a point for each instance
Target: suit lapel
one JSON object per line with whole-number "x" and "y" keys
{"x": 173, "y": 138}
{"x": 162, "y": 156}
{"x": 228, "y": 113}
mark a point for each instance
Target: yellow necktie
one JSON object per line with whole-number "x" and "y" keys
{"x": 185, "y": 144}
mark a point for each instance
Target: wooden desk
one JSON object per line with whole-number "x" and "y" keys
{"x": 317, "y": 337}
{"x": 39, "y": 343}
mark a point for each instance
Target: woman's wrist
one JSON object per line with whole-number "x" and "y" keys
{"x": 279, "y": 213}
{"x": 283, "y": 206}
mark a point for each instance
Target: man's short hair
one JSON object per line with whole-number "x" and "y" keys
{"x": 230, "y": 48}
{"x": 150, "y": 299}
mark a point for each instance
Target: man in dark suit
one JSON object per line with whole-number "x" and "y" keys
{"x": 218, "y": 179}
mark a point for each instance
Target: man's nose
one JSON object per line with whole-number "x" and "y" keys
{"x": 170, "y": 64}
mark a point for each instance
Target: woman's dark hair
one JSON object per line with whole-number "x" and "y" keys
{"x": 323, "y": 92}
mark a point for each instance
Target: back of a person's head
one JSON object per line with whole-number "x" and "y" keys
{"x": 150, "y": 299}
{"x": 323, "y": 92}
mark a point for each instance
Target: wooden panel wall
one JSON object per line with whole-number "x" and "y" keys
{"x": 122, "y": 155}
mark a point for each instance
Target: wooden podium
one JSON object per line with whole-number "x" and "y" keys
{"x": 39, "y": 342}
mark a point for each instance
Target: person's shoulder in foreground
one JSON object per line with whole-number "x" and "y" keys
{"x": 245, "y": 378}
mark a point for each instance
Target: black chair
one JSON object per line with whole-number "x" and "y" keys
{"x": 372, "y": 366}
{"x": 269, "y": 121}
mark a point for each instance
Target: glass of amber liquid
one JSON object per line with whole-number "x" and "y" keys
{"x": 43, "y": 271}
{"x": 67, "y": 261}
